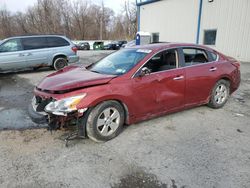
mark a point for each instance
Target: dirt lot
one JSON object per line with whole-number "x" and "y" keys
{"x": 200, "y": 147}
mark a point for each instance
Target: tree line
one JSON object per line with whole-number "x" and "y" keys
{"x": 78, "y": 20}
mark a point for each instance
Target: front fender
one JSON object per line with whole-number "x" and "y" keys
{"x": 104, "y": 93}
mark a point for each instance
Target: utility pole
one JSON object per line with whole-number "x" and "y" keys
{"x": 101, "y": 22}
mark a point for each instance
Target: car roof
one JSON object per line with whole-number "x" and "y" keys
{"x": 163, "y": 45}
{"x": 27, "y": 36}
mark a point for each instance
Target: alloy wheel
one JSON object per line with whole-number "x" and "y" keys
{"x": 221, "y": 94}
{"x": 108, "y": 121}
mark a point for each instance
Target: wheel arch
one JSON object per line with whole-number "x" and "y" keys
{"x": 117, "y": 99}
{"x": 59, "y": 56}
{"x": 223, "y": 77}
{"x": 228, "y": 79}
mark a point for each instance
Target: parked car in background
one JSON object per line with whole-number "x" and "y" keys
{"x": 129, "y": 44}
{"x": 135, "y": 84}
{"x": 98, "y": 45}
{"x": 25, "y": 52}
{"x": 111, "y": 46}
{"x": 83, "y": 46}
{"x": 121, "y": 42}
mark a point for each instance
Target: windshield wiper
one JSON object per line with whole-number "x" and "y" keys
{"x": 94, "y": 71}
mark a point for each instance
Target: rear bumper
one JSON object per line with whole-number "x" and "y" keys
{"x": 73, "y": 59}
{"x": 236, "y": 80}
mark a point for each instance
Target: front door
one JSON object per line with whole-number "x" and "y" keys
{"x": 145, "y": 89}
{"x": 163, "y": 89}
{"x": 36, "y": 51}
{"x": 12, "y": 55}
{"x": 171, "y": 93}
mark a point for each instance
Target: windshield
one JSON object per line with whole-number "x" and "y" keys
{"x": 2, "y": 41}
{"x": 119, "y": 62}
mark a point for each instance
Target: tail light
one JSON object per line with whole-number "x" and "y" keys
{"x": 236, "y": 64}
{"x": 74, "y": 49}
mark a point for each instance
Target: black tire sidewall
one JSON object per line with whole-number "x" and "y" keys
{"x": 91, "y": 124}
{"x": 57, "y": 60}
{"x": 212, "y": 102}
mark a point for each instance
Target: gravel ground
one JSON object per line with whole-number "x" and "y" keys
{"x": 200, "y": 147}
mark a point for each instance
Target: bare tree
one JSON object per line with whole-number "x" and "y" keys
{"x": 130, "y": 20}
{"x": 5, "y": 23}
{"x": 77, "y": 19}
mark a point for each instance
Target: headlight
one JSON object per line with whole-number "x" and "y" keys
{"x": 64, "y": 106}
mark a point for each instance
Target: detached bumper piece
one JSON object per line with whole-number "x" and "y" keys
{"x": 71, "y": 121}
{"x": 74, "y": 120}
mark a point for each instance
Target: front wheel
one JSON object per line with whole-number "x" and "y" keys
{"x": 105, "y": 121}
{"x": 220, "y": 94}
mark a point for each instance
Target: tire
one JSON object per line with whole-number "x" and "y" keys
{"x": 59, "y": 63}
{"x": 220, "y": 94}
{"x": 100, "y": 125}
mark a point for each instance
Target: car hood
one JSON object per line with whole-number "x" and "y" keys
{"x": 72, "y": 78}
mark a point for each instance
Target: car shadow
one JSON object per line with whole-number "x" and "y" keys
{"x": 27, "y": 71}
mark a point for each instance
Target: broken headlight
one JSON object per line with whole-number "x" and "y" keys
{"x": 64, "y": 106}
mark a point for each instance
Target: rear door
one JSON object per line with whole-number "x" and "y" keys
{"x": 201, "y": 74}
{"x": 36, "y": 51}
{"x": 59, "y": 46}
{"x": 12, "y": 55}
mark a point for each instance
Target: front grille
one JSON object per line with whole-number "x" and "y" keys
{"x": 55, "y": 92}
{"x": 38, "y": 99}
{"x": 41, "y": 103}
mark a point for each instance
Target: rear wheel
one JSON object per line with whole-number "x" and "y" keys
{"x": 220, "y": 94}
{"x": 59, "y": 63}
{"x": 105, "y": 121}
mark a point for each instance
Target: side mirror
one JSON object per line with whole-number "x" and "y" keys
{"x": 145, "y": 71}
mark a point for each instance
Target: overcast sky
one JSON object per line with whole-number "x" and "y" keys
{"x": 21, "y": 5}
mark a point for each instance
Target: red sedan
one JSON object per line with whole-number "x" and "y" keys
{"x": 132, "y": 85}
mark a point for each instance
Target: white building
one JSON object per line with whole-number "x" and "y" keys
{"x": 221, "y": 24}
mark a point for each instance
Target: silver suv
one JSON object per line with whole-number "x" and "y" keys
{"x": 24, "y": 52}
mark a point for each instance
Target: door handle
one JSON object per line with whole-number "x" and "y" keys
{"x": 178, "y": 78}
{"x": 212, "y": 69}
{"x": 28, "y": 54}
{"x": 21, "y": 55}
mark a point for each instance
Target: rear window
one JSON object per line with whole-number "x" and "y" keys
{"x": 31, "y": 43}
{"x": 56, "y": 42}
{"x": 194, "y": 56}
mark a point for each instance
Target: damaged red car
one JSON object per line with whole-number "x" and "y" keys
{"x": 132, "y": 85}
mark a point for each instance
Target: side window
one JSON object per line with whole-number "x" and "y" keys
{"x": 213, "y": 56}
{"x": 11, "y": 45}
{"x": 56, "y": 42}
{"x": 165, "y": 60}
{"x": 31, "y": 43}
{"x": 194, "y": 56}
